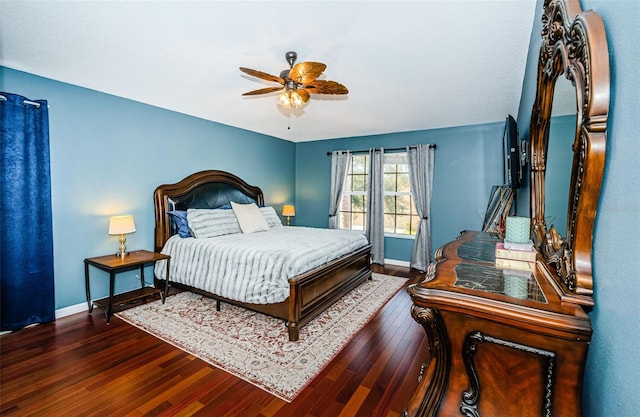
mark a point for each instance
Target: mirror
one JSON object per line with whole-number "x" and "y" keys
{"x": 562, "y": 133}
{"x": 574, "y": 50}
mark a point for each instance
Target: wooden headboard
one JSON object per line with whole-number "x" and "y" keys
{"x": 205, "y": 189}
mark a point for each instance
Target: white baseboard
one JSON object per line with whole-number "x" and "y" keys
{"x": 67, "y": 311}
{"x": 397, "y": 263}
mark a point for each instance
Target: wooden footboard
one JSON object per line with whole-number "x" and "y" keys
{"x": 313, "y": 292}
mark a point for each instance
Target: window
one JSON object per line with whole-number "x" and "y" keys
{"x": 400, "y": 217}
{"x": 353, "y": 205}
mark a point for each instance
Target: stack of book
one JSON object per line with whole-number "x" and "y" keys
{"x": 515, "y": 255}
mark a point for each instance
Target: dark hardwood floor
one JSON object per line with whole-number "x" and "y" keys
{"x": 79, "y": 366}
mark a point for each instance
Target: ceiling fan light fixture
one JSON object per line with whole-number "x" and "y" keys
{"x": 296, "y": 99}
{"x": 290, "y": 99}
{"x": 284, "y": 99}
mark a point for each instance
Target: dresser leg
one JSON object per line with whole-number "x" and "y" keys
{"x": 434, "y": 373}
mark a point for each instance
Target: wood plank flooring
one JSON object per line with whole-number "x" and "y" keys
{"x": 79, "y": 366}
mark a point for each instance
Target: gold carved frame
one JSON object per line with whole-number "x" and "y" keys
{"x": 574, "y": 44}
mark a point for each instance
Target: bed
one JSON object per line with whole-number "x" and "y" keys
{"x": 309, "y": 292}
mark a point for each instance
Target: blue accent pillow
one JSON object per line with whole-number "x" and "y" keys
{"x": 180, "y": 219}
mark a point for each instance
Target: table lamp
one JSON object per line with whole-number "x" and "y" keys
{"x": 122, "y": 225}
{"x": 288, "y": 212}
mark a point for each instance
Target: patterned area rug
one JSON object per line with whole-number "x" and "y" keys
{"x": 256, "y": 347}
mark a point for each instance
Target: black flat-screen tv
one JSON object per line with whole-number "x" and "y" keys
{"x": 512, "y": 167}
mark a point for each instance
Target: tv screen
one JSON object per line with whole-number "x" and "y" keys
{"x": 512, "y": 168}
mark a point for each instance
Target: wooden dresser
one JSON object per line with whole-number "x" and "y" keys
{"x": 499, "y": 344}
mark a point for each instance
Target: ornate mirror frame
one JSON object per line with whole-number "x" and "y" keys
{"x": 574, "y": 44}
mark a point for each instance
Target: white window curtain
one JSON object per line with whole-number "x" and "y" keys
{"x": 421, "y": 161}
{"x": 375, "y": 205}
{"x": 339, "y": 166}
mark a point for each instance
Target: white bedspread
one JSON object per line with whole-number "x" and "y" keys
{"x": 254, "y": 268}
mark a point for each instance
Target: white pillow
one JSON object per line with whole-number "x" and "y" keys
{"x": 250, "y": 217}
{"x": 206, "y": 223}
{"x": 271, "y": 217}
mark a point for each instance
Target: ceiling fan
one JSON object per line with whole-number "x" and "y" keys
{"x": 298, "y": 82}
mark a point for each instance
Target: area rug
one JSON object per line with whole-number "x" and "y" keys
{"x": 256, "y": 347}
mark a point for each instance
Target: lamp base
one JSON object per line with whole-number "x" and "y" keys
{"x": 123, "y": 247}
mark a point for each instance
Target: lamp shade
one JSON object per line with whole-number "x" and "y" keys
{"x": 121, "y": 225}
{"x": 288, "y": 211}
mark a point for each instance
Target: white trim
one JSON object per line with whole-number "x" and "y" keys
{"x": 400, "y": 236}
{"x": 397, "y": 262}
{"x": 67, "y": 311}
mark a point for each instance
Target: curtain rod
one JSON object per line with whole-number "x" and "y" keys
{"x": 33, "y": 103}
{"x": 389, "y": 149}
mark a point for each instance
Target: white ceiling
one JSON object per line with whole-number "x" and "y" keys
{"x": 409, "y": 65}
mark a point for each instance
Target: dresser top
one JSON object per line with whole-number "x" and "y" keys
{"x": 464, "y": 278}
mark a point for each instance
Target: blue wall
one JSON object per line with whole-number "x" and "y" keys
{"x": 468, "y": 161}
{"x": 108, "y": 154}
{"x": 613, "y": 368}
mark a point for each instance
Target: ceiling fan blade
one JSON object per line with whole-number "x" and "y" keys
{"x": 263, "y": 91}
{"x": 325, "y": 87}
{"x": 306, "y": 72}
{"x": 304, "y": 95}
{"x": 262, "y": 75}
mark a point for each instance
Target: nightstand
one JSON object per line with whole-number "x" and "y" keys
{"x": 114, "y": 264}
